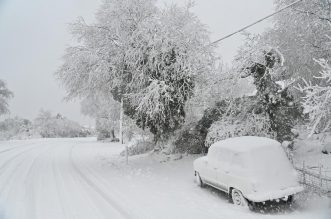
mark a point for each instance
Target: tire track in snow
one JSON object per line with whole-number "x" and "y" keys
{"x": 104, "y": 183}
{"x": 29, "y": 185}
{"x": 89, "y": 182}
{"x": 57, "y": 183}
{"x": 5, "y": 182}
{"x": 18, "y": 172}
{"x": 64, "y": 184}
{"x": 13, "y": 158}
{"x": 13, "y": 148}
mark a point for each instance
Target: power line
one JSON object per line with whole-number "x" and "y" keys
{"x": 258, "y": 21}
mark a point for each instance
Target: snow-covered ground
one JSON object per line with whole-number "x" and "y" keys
{"x": 309, "y": 151}
{"x": 80, "y": 178}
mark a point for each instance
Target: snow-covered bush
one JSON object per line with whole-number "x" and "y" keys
{"x": 191, "y": 138}
{"x": 50, "y": 126}
{"x": 232, "y": 126}
{"x": 228, "y": 118}
{"x": 16, "y": 128}
{"x": 138, "y": 146}
{"x": 317, "y": 100}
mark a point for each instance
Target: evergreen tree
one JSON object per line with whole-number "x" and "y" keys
{"x": 275, "y": 100}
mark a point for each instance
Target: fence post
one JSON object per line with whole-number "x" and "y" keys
{"x": 320, "y": 176}
{"x": 303, "y": 173}
{"x": 121, "y": 133}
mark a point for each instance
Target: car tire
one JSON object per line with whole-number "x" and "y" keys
{"x": 199, "y": 180}
{"x": 238, "y": 198}
{"x": 289, "y": 200}
{"x": 251, "y": 205}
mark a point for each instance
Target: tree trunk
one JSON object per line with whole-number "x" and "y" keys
{"x": 113, "y": 133}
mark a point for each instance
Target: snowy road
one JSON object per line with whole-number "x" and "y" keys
{"x": 80, "y": 178}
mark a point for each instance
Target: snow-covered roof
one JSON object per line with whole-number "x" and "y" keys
{"x": 245, "y": 143}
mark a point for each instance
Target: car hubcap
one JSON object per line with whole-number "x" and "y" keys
{"x": 237, "y": 198}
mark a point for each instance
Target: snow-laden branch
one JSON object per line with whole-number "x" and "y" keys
{"x": 317, "y": 99}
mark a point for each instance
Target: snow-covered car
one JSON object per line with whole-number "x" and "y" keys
{"x": 250, "y": 169}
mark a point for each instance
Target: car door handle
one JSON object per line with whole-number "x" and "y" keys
{"x": 215, "y": 168}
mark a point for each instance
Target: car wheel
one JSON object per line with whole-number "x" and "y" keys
{"x": 289, "y": 200}
{"x": 251, "y": 205}
{"x": 198, "y": 179}
{"x": 238, "y": 198}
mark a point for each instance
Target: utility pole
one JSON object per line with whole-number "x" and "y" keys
{"x": 121, "y": 133}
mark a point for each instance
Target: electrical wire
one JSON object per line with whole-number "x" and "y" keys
{"x": 256, "y": 22}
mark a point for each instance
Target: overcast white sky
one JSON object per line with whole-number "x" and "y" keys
{"x": 34, "y": 35}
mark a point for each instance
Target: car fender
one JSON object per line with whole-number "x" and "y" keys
{"x": 242, "y": 184}
{"x": 199, "y": 164}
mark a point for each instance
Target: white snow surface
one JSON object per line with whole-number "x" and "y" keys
{"x": 83, "y": 179}
{"x": 309, "y": 152}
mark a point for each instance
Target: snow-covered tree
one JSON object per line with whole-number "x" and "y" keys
{"x": 301, "y": 34}
{"x": 5, "y": 95}
{"x": 147, "y": 56}
{"x": 222, "y": 83}
{"x": 106, "y": 113}
{"x": 274, "y": 99}
{"x": 317, "y": 100}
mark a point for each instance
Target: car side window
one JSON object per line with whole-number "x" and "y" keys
{"x": 225, "y": 156}
{"x": 237, "y": 160}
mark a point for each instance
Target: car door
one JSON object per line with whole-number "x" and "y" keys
{"x": 229, "y": 174}
{"x": 207, "y": 172}
{"x": 222, "y": 176}
{"x": 213, "y": 172}
{"x": 204, "y": 169}
{"x": 210, "y": 171}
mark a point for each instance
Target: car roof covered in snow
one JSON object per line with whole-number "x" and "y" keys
{"x": 244, "y": 143}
